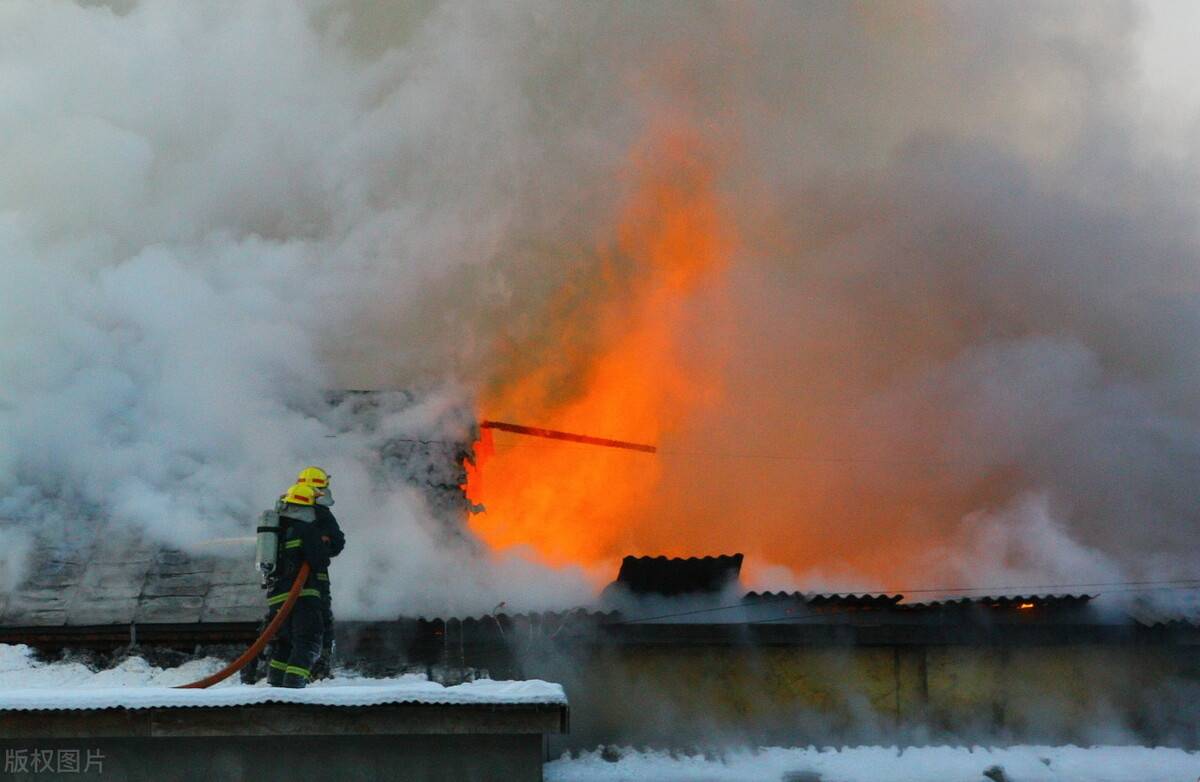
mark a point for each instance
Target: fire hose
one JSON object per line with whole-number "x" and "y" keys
{"x": 256, "y": 648}
{"x": 281, "y": 616}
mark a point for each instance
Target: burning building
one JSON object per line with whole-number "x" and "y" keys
{"x": 893, "y": 295}
{"x": 673, "y": 649}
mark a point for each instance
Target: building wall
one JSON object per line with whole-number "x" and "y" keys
{"x": 439, "y": 758}
{"x": 806, "y": 695}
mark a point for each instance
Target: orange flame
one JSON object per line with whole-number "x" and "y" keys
{"x": 483, "y": 450}
{"x": 577, "y": 503}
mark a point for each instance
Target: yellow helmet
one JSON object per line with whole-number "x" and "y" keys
{"x": 313, "y": 476}
{"x": 301, "y": 494}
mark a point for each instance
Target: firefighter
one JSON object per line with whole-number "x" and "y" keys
{"x": 335, "y": 541}
{"x": 298, "y": 644}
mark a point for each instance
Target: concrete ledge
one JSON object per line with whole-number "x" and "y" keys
{"x": 434, "y": 758}
{"x": 284, "y": 741}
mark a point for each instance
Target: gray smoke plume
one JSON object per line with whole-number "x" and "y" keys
{"x": 957, "y": 333}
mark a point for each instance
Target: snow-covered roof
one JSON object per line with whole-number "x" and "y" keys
{"x": 412, "y": 689}
{"x": 28, "y": 683}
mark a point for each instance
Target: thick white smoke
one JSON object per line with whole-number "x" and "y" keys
{"x": 963, "y": 270}
{"x": 192, "y": 198}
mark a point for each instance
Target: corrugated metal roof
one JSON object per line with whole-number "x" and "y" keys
{"x": 537, "y": 618}
{"x": 1007, "y": 602}
{"x": 675, "y": 576}
{"x": 830, "y": 600}
{"x": 1180, "y": 608}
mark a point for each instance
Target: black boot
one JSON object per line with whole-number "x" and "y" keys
{"x": 250, "y": 673}
{"x": 277, "y": 673}
{"x": 295, "y": 678}
{"x": 323, "y": 667}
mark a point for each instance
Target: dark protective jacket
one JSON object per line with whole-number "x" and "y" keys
{"x": 300, "y": 541}
{"x": 335, "y": 541}
{"x": 331, "y": 534}
{"x": 328, "y": 527}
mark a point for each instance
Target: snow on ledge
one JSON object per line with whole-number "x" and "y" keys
{"x": 1028, "y": 763}
{"x": 405, "y": 689}
{"x": 29, "y": 684}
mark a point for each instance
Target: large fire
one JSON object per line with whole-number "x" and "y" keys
{"x": 577, "y": 503}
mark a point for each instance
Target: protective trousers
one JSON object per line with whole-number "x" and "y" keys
{"x": 250, "y": 672}
{"x": 324, "y": 666}
{"x": 298, "y": 644}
